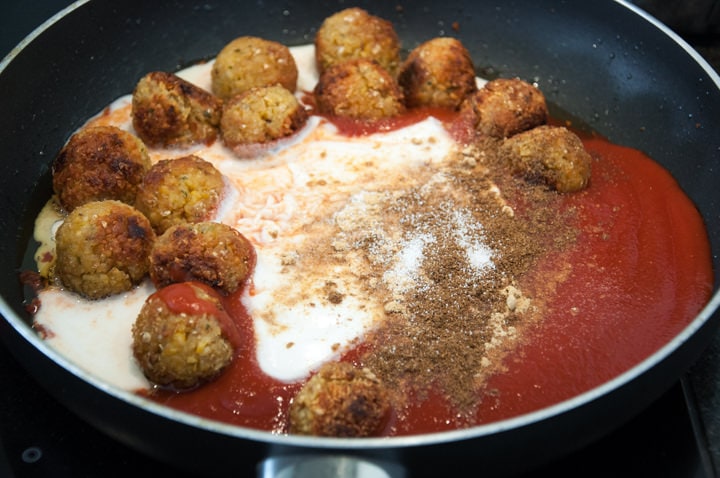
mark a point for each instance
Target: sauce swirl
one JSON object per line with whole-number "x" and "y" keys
{"x": 636, "y": 276}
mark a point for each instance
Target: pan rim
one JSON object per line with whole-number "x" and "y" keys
{"x": 477, "y": 431}
{"x": 39, "y": 30}
{"x": 235, "y": 431}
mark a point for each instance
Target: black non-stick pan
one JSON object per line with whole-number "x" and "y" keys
{"x": 603, "y": 64}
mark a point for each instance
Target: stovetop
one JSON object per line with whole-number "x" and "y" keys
{"x": 676, "y": 436}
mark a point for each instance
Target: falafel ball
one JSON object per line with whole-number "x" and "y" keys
{"x": 168, "y": 111}
{"x": 100, "y": 162}
{"x": 181, "y": 337}
{"x": 247, "y": 62}
{"x": 209, "y": 252}
{"x": 504, "y": 107}
{"x": 175, "y": 191}
{"x": 438, "y": 73}
{"x": 103, "y": 248}
{"x": 359, "y": 89}
{"x": 340, "y": 400}
{"x": 260, "y": 116}
{"x": 354, "y": 33}
{"x": 553, "y": 155}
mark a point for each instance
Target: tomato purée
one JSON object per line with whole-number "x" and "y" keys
{"x": 641, "y": 271}
{"x": 638, "y": 274}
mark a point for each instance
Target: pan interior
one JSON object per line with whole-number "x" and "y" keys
{"x": 602, "y": 65}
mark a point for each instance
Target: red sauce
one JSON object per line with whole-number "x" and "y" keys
{"x": 185, "y": 298}
{"x": 355, "y": 127}
{"x": 242, "y": 394}
{"x": 636, "y": 282}
{"x": 196, "y": 298}
{"x": 34, "y": 281}
{"x": 361, "y": 127}
{"x": 639, "y": 273}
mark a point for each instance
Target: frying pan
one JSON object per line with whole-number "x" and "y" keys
{"x": 605, "y": 64}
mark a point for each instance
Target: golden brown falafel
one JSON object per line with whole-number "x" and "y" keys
{"x": 438, "y": 73}
{"x": 553, "y": 155}
{"x": 340, "y": 400}
{"x": 209, "y": 252}
{"x": 103, "y": 248}
{"x": 358, "y": 89}
{"x": 175, "y": 191}
{"x": 101, "y": 162}
{"x": 354, "y": 33}
{"x": 504, "y": 107}
{"x": 260, "y": 116}
{"x": 181, "y": 337}
{"x": 247, "y": 62}
{"x": 168, "y": 111}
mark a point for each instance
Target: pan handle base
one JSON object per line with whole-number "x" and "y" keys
{"x": 327, "y": 466}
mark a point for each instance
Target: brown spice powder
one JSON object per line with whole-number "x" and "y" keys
{"x": 447, "y": 258}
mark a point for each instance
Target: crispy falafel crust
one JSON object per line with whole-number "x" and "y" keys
{"x": 438, "y": 73}
{"x": 504, "y": 107}
{"x": 209, "y": 252}
{"x": 358, "y": 89}
{"x": 180, "y": 190}
{"x": 260, "y": 116}
{"x": 553, "y": 155}
{"x": 354, "y": 33}
{"x": 179, "y": 349}
{"x": 340, "y": 400}
{"x": 168, "y": 111}
{"x": 103, "y": 248}
{"x": 101, "y": 162}
{"x": 248, "y": 62}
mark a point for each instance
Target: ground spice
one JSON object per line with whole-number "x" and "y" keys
{"x": 454, "y": 327}
{"x": 447, "y": 258}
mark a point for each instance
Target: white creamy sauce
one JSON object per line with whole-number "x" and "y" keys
{"x": 96, "y": 334}
{"x": 274, "y": 201}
